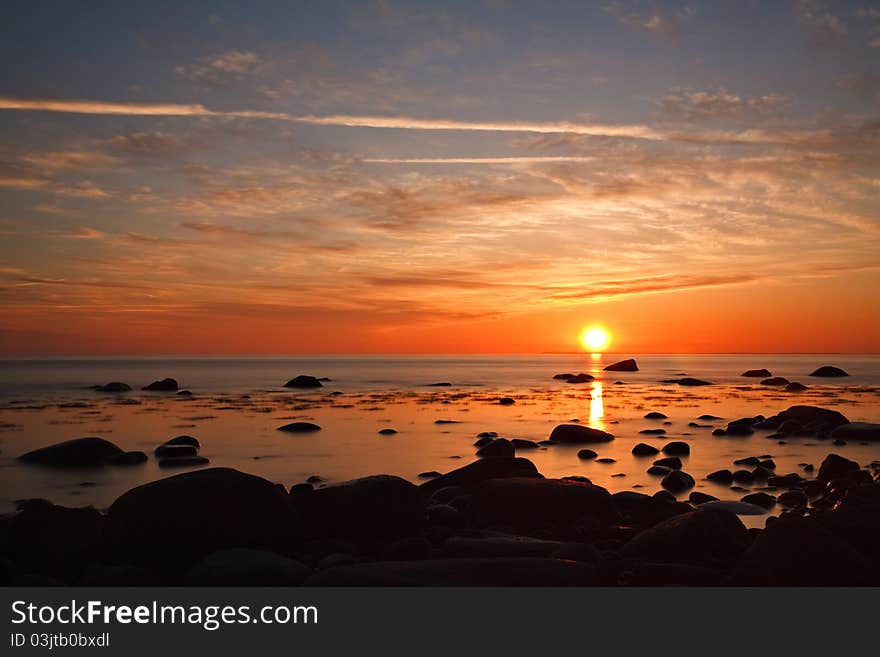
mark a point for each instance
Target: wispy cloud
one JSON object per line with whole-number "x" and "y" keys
{"x": 221, "y": 69}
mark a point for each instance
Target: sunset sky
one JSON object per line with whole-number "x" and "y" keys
{"x": 481, "y": 176}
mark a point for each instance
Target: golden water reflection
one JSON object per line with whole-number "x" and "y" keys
{"x": 597, "y": 409}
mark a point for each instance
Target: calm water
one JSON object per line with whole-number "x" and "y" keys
{"x": 238, "y": 403}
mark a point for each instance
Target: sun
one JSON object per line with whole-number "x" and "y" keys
{"x": 595, "y": 338}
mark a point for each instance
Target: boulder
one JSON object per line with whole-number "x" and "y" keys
{"x": 522, "y": 443}
{"x": 671, "y": 462}
{"x": 857, "y": 431}
{"x": 299, "y": 427}
{"x": 575, "y": 434}
{"x": 473, "y": 474}
{"x": 114, "y": 386}
{"x": 704, "y": 537}
{"x": 176, "y": 521}
{"x": 164, "y": 451}
{"x": 492, "y": 571}
{"x": 656, "y": 415}
{"x": 775, "y": 381}
{"x": 795, "y": 386}
{"x": 79, "y": 452}
{"x": 531, "y": 503}
{"x": 676, "y": 448}
{"x": 369, "y": 509}
{"x": 834, "y": 466}
{"x": 642, "y": 511}
{"x": 690, "y": 381}
{"x": 764, "y": 500}
{"x": 245, "y": 567}
{"x": 184, "y": 440}
{"x": 304, "y": 381}
{"x": 575, "y": 378}
{"x": 165, "y": 385}
{"x": 189, "y": 461}
{"x": 628, "y": 365}
{"x": 677, "y": 481}
{"x": 739, "y": 508}
{"x": 507, "y": 401}
{"x": 829, "y": 371}
{"x": 757, "y": 374}
{"x": 795, "y": 551}
{"x": 387, "y": 432}
{"x": 642, "y": 449}
{"x": 721, "y": 477}
{"x": 586, "y": 454}
{"x": 500, "y": 447}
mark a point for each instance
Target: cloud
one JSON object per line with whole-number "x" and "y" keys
{"x": 825, "y": 28}
{"x": 718, "y": 104}
{"x": 51, "y": 161}
{"x": 148, "y": 143}
{"x": 517, "y": 159}
{"x": 667, "y": 26}
{"x": 222, "y": 69}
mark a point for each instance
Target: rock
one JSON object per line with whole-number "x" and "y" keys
{"x": 749, "y": 460}
{"x": 520, "y": 443}
{"x": 792, "y": 498}
{"x": 739, "y": 508}
{"x": 676, "y": 448}
{"x": 184, "y": 393}
{"x": 176, "y": 521}
{"x": 586, "y": 454}
{"x": 471, "y": 475}
{"x": 721, "y": 477}
{"x": 659, "y": 470}
{"x": 696, "y": 497}
{"x": 653, "y": 432}
{"x": 790, "y": 479}
{"x": 532, "y": 503}
{"x": 163, "y": 451}
{"x": 671, "y": 462}
{"x": 127, "y": 458}
{"x": 182, "y": 461}
{"x": 52, "y": 540}
{"x": 507, "y": 401}
{"x": 857, "y": 525}
{"x": 703, "y": 537}
{"x": 775, "y": 381}
{"x": 606, "y": 460}
{"x": 492, "y": 571}
{"x": 743, "y": 477}
{"x": 796, "y": 551}
{"x": 814, "y": 417}
{"x": 677, "y": 481}
{"x": 795, "y": 386}
{"x": 709, "y": 418}
{"x": 764, "y": 500}
{"x": 445, "y": 421}
{"x": 304, "y": 381}
{"x": 498, "y": 447}
{"x": 689, "y": 381}
{"x": 487, "y": 434}
{"x": 828, "y": 370}
{"x": 664, "y": 496}
{"x": 299, "y": 427}
{"x": 431, "y": 474}
{"x": 577, "y": 552}
{"x": 184, "y": 440}
{"x": 79, "y": 452}
{"x": 739, "y": 430}
{"x": 503, "y": 545}
{"x": 114, "y": 386}
{"x": 165, "y": 385}
{"x": 655, "y": 415}
{"x": 641, "y": 449}
{"x": 757, "y": 374}
{"x": 641, "y": 511}
{"x": 628, "y": 365}
{"x": 857, "y": 431}
{"x": 439, "y": 384}
{"x": 482, "y": 442}
{"x": 387, "y": 432}
{"x": 245, "y": 567}
{"x": 574, "y": 434}
{"x": 835, "y": 466}
{"x": 575, "y": 378}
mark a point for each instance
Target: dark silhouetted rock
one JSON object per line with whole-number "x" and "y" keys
{"x": 492, "y": 571}
{"x": 655, "y": 415}
{"x": 574, "y": 378}
{"x": 775, "y": 381}
{"x": 471, "y": 475}
{"x": 814, "y": 418}
{"x": 507, "y": 401}
{"x": 653, "y": 432}
{"x": 177, "y": 521}
{"x": 387, "y": 432}
{"x": 677, "y": 481}
{"x": 676, "y": 448}
{"x": 642, "y": 449}
{"x": 828, "y": 370}
{"x": 183, "y": 461}
{"x": 165, "y": 385}
{"x": 530, "y": 503}
{"x": 628, "y": 365}
{"x": 128, "y": 458}
{"x": 166, "y": 450}
{"x": 671, "y": 462}
{"x": 795, "y": 386}
{"x": 739, "y": 508}
{"x": 521, "y": 443}
{"x": 439, "y": 384}
{"x": 498, "y": 447}
{"x": 857, "y": 431}
{"x": 586, "y": 454}
{"x": 835, "y": 466}
{"x": 703, "y": 537}
{"x": 300, "y": 427}
{"x": 576, "y": 434}
{"x": 114, "y": 386}
{"x": 659, "y": 470}
{"x": 748, "y": 460}
{"x": 79, "y": 452}
{"x": 244, "y": 567}
{"x": 792, "y": 498}
{"x": 764, "y": 500}
{"x": 721, "y": 477}
{"x": 641, "y": 511}
{"x": 696, "y": 497}
{"x": 757, "y": 374}
{"x": 304, "y": 381}
{"x": 797, "y": 551}
{"x": 743, "y": 477}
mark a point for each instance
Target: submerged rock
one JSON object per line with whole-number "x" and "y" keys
{"x": 114, "y": 386}
{"x": 628, "y": 365}
{"x": 577, "y": 434}
{"x": 829, "y": 371}
{"x": 739, "y": 508}
{"x": 721, "y": 477}
{"x": 795, "y": 386}
{"x": 299, "y": 427}
{"x": 165, "y": 385}
{"x": 689, "y": 381}
{"x": 507, "y": 401}
{"x": 79, "y": 452}
{"x": 642, "y": 449}
{"x": 575, "y": 378}
{"x": 775, "y": 381}
{"x": 656, "y": 415}
{"x": 757, "y": 374}
{"x": 304, "y": 381}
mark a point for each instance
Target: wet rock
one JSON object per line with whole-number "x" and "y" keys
{"x": 128, "y": 458}
{"x": 487, "y": 434}
{"x": 858, "y": 431}
{"x": 574, "y": 434}
{"x": 795, "y": 386}
{"x": 520, "y": 443}
{"x": 696, "y": 497}
{"x": 184, "y": 440}
{"x": 641, "y": 449}
{"x": 406, "y": 549}
{"x": 79, "y": 452}
{"x": 471, "y": 475}
{"x": 577, "y": 552}
{"x": 245, "y": 567}
{"x": 586, "y": 454}
{"x": 628, "y": 365}
{"x": 642, "y": 511}
{"x": 792, "y": 498}
{"x": 445, "y": 421}
{"x": 689, "y": 381}
{"x": 166, "y": 450}
{"x": 299, "y": 427}
{"x": 439, "y": 384}
{"x": 304, "y": 381}
{"x": 507, "y": 401}
{"x": 677, "y": 481}
{"x": 165, "y": 385}
{"x": 380, "y": 506}
{"x": 671, "y": 462}
{"x": 834, "y": 466}
{"x": 575, "y": 378}
{"x": 797, "y": 551}
{"x": 664, "y": 496}
{"x": 857, "y": 525}
{"x": 387, "y": 432}
{"x": 655, "y": 415}
{"x": 703, "y": 537}
{"x": 482, "y": 442}
{"x": 790, "y": 479}
{"x": 114, "y": 386}
{"x": 749, "y": 460}
{"x": 606, "y": 460}
{"x": 676, "y": 448}
{"x": 741, "y": 429}
{"x": 659, "y": 470}
{"x": 739, "y": 508}
{"x": 709, "y": 418}
{"x": 492, "y": 571}
{"x": 498, "y": 447}
{"x": 757, "y": 374}
{"x": 828, "y": 371}
{"x": 721, "y": 477}
{"x": 775, "y": 381}
{"x": 444, "y": 515}
{"x": 814, "y": 418}
{"x": 178, "y": 520}
{"x": 530, "y": 503}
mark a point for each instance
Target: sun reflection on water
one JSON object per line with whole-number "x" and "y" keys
{"x": 597, "y": 409}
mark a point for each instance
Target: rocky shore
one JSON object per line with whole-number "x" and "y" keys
{"x": 495, "y": 521}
